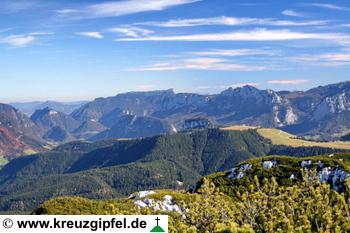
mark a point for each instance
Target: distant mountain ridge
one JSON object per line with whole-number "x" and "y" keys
{"x": 322, "y": 112}
{"x": 29, "y": 108}
{"x": 319, "y": 113}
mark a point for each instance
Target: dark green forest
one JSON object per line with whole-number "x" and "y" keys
{"x": 116, "y": 168}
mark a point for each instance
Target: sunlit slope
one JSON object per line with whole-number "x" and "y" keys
{"x": 3, "y": 161}
{"x": 279, "y": 137}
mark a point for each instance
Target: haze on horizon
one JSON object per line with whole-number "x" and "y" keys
{"x": 81, "y": 50}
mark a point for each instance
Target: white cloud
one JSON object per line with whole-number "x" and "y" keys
{"x": 337, "y": 57}
{"x": 118, "y": 8}
{"x": 252, "y": 35}
{"x": 96, "y": 35}
{"x": 41, "y": 33}
{"x": 231, "y": 21}
{"x": 131, "y": 31}
{"x": 328, "y": 6}
{"x": 325, "y": 59}
{"x": 289, "y": 81}
{"x": 67, "y": 11}
{"x": 201, "y": 63}
{"x": 17, "y": 40}
{"x": 237, "y": 52}
{"x": 293, "y": 13}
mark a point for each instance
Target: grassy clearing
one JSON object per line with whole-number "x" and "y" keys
{"x": 3, "y": 161}
{"x": 279, "y": 137}
{"x": 239, "y": 127}
{"x": 29, "y": 152}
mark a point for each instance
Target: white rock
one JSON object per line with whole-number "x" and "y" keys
{"x": 148, "y": 201}
{"x": 340, "y": 175}
{"x": 335, "y": 177}
{"x": 290, "y": 117}
{"x": 245, "y": 167}
{"x": 236, "y": 174}
{"x": 166, "y": 205}
{"x": 52, "y": 112}
{"x": 240, "y": 175}
{"x": 269, "y": 164}
{"x": 324, "y": 174}
{"x": 140, "y": 204}
{"x": 306, "y": 163}
{"x": 180, "y": 183}
{"x": 168, "y": 198}
{"x": 143, "y": 194}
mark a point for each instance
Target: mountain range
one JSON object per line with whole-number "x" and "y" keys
{"x": 29, "y": 108}
{"x": 321, "y": 113}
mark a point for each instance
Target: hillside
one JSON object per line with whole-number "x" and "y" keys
{"x": 131, "y": 126}
{"x": 115, "y": 168}
{"x": 268, "y": 194}
{"x": 100, "y": 170}
{"x": 18, "y": 134}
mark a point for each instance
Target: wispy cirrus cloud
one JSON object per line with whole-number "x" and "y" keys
{"x": 131, "y": 31}
{"x": 327, "y": 6}
{"x": 249, "y": 35}
{"x": 293, "y": 13}
{"x": 231, "y": 21}
{"x": 288, "y": 81}
{"x": 201, "y": 63}
{"x": 17, "y": 41}
{"x": 325, "y": 59}
{"x": 119, "y": 8}
{"x": 238, "y": 52}
{"x": 96, "y": 35}
{"x": 23, "y": 40}
{"x": 67, "y": 11}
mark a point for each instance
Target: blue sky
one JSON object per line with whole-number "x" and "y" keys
{"x": 75, "y": 50}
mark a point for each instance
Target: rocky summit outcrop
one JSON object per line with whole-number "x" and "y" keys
{"x": 321, "y": 168}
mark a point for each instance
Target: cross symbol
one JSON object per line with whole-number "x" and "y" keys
{"x": 157, "y": 219}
